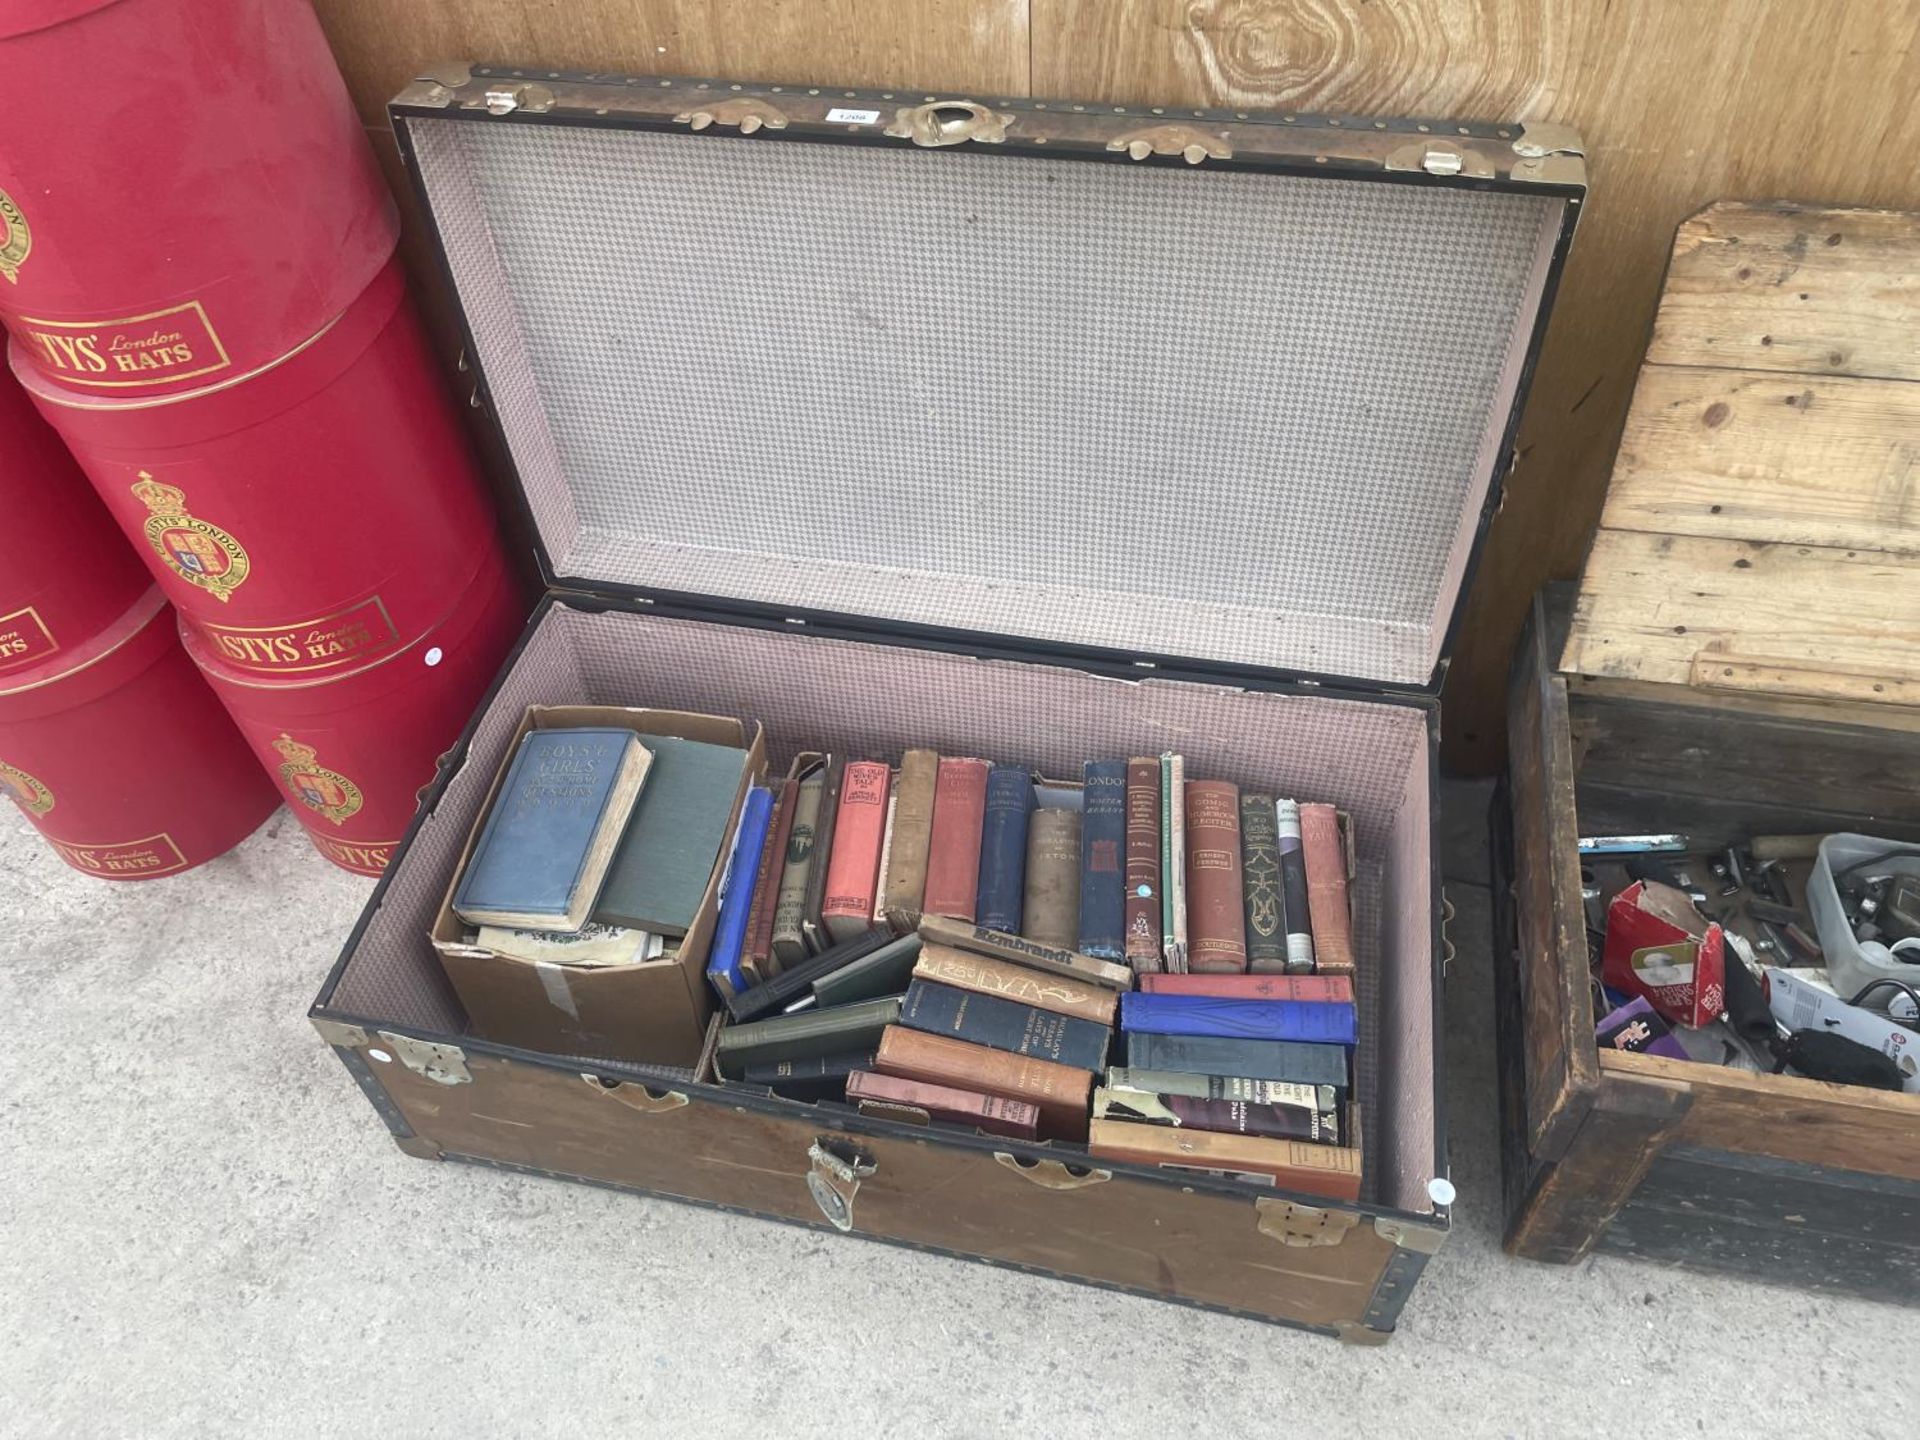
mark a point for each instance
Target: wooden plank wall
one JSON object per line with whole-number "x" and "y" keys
{"x": 1680, "y": 103}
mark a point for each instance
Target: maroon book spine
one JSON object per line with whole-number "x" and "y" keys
{"x": 1237, "y": 1117}
{"x": 991, "y": 1113}
{"x": 1216, "y": 914}
{"x": 953, "y": 854}
{"x": 1144, "y": 939}
{"x": 759, "y": 949}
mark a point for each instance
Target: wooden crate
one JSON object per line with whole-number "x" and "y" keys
{"x": 1742, "y": 655}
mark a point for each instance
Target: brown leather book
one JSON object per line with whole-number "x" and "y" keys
{"x": 890, "y": 1095}
{"x": 953, "y": 849}
{"x": 982, "y": 976}
{"x": 1050, "y": 911}
{"x": 1329, "y": 1170}
{"x": 912, "y": 834}
{"x": 1143, "y": 864}
{"x": 1216, "y": 917}
{"x": 1063, "y": 1093}
{"x": 758, "y": 955}
{"x": 1332, "y": 917}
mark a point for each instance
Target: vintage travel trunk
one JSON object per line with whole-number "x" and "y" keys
{"x": 1010, "y": 428}
{"x": 1740, "y": 659}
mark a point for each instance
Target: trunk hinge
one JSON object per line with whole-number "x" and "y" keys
{"x": 442, "y": 1064}
{"x": 1292, "y": 1223}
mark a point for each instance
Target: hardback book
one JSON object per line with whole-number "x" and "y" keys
{"x": 1080, "y": 998}
{"x": 679, "y": 826}
{"x": 795, "y": 984}
{"x": 790, "y": 901}
{"x": 1293, "y": 888}
{"x": 1003, "y": 848}
{"x": 590, "y": 945}
{"x": 1299, "y": 1062}
{"x": 1316, "y": 1022}
{"x": 853, "y": 865}
{"x": 879, "y": 916}
{"x": 1235, "y": 1117}
{"x": 759, "y": 958}
{"x": 813, "y": 922}
{"x": 736, "y": 893}
{"x": 1061, "y": 1092}
{"x": 1324, "y": 1098}
{"x": 1006, "y": 1025}
{"x": 1260, "y": 885}
{"x": 890, "y": 1095}
{"x": 1332, "y": 1171}
{"x": 1142, "y": 911}
{"x": 1216, "y": 914}
{"x": 885, "y": 971}
{"x": 1103, "y": 840}
{"x": 1325, "y": 854}
{"x": 1335, "y": 988}
{"x": 1051, "y": 908}
{"x": 998, "y": 945}
{"x": 807, "y": 1034}
{"x": 1048, "y": 795}
{"x": 912, "y": 834}
{"x": 817, "y": 1077}
{"x": 1173, "y": 860}
{"x": 543, "y": 855}
{"x": 953, "y": 852}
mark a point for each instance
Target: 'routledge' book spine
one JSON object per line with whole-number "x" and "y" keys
{"x": 1005, "y": 1025}
{"x": 1260, "y": 885}
{"x": 1142, "y": 910}
{"x": 1103, "y": 839}
{"x": 1003, "y": 848}
{"x": 1216, "y": 914}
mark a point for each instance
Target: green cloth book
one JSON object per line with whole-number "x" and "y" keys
{"x": 680, "y": 823}
{"x": 806, "y": 1033}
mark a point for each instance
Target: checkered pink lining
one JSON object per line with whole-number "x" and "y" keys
{"x": 811, "y": 692}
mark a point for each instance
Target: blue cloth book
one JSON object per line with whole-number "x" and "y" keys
{"x": 1103, "y": 853}
{"x": 1002, "y": 1024}
{"x": 1313, "y": 1022}
{"x": 737, "y": 884}
{"x": 550, "y": 836}
{"x": 1003, "y": 849}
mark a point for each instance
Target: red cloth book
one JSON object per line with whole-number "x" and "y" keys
{"x": 991, "y": 1113}
{"x": 853, "y": 865}
{"x": 1216, "y": 913}
{"x": 1326, "y": 857}
{"x": 1337, "y": 989}
{"x": 953, "y": 854}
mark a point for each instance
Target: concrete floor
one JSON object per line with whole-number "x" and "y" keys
{"x": 204, "y": 1231}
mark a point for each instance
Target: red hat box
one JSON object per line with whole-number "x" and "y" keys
{"x": 121, "y": 757}
{"x": 69, "y": 573}
{"x": 352, "y": 752}
{"x": 311, "y": 520}
{"x": 186, "y": 193}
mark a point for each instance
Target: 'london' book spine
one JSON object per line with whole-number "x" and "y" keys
{"x": 1297, "y": 1062}
{"x": 1005, "y": 1025}
{"x": 1142, "y": 910}
{"x": 1003, "y": 848}
{"x": 1326, "y": 865}
{"x": 953, "y": 853}
{"x": 1103, "y": 840}
{"x": 1260, "y": 885}
{"x": 1216, "y": 914}
{"x": 1316, "y": 1022}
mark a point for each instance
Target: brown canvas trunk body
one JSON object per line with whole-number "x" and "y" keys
{"x": 805, "y": 446}
{"x": 1739, "y": 660}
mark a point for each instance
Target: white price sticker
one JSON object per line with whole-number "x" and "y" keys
{"x": 854, "y": 117}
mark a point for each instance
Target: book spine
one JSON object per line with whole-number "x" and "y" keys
{"x": 1062, "y": 1093}
{"x": 790, "y": 905}
{"x": 1051, "y": 909}
{"x": 1103, "y": 839}
{"x": 1295, "y": 1062}
{"x": 1336, "y": 989}
{"x": 992, "y": 1113}
{"x": 838, "y": 1065}
{"x": 813, "y": 923}
{"x": 953, "y": 852}
{"x": 1323, "y": 1098}
{"x": 810, "y": 1032}
{"x": 1260, "y": 885}
{"x": 1216, "y": 917}
{"x": 736, "y": 893}
{"x": 1173, "y": 870}
{"x": 1332, "y": 1171}
{"x": 879, "y": 916}
{"x": 1005, "y": 1025}
{"x": 1326, "y": 863}
{"x": 758, "y": 955}
{"x": 1141, "y": 912}
{"x": 1315, "y": 1022}
{"x": 912, "y": 833}
{"x": 854, "y": 864}
{"x": 1293, "y": 887}
{"x": 998, "y": 945}
{"x": 983, "y": 976}
{"x": 1003, "y": 848}
{"x": 1226, "y": 1117}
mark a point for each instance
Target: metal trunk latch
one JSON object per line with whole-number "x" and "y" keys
{"x": 1302, "y": 1225}
{"x": 442, "y": 1064}
{"x": 837, "y": 1168}
{"x": 505, "y": 99}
